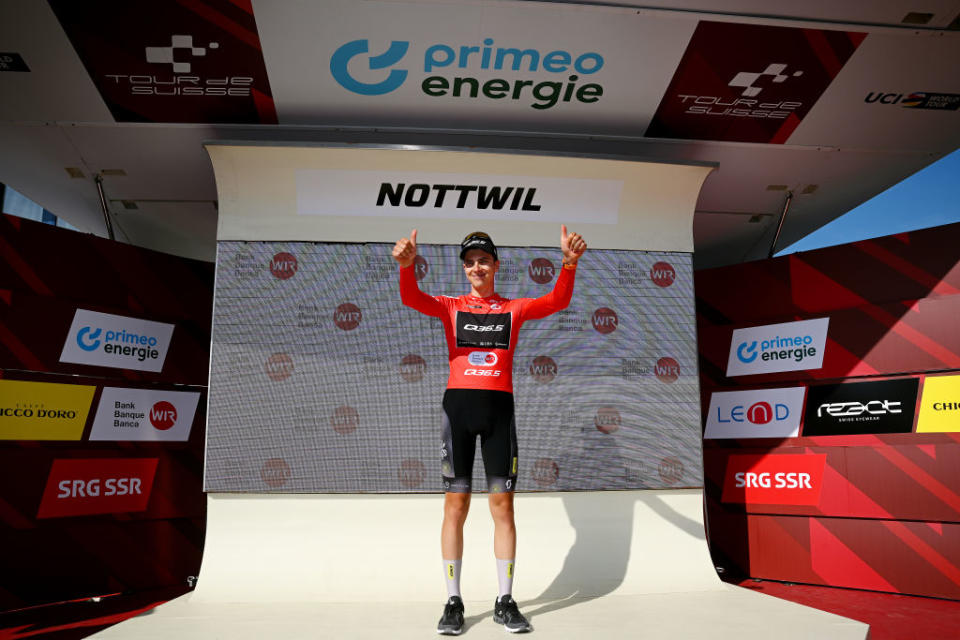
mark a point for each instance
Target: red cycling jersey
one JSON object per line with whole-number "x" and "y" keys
{"x": 482, "y": 332}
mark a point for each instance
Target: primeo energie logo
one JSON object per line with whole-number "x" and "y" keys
{"x": 453, "y": 71}
{"x": 108, "y": 340}
{"x": 788, "y": 346}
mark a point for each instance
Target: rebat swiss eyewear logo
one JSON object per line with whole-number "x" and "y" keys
{"x": 438, "y": 60}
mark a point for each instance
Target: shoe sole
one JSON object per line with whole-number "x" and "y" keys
{"x": 500, "y": 620}
{"x": 451, "y": 632}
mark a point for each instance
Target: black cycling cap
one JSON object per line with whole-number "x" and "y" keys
{"x": 478, "y": 240}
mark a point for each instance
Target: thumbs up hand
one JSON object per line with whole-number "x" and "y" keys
{"x": 572, "y": 245}
{"x": 405, "y": 250}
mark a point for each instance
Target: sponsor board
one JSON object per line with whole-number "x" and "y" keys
{"x": 761, "y": 413}
{"x": 756, "y": 91}
{"x": 462, "y": 196}
{"x": 108, "y": 340}
{"x": 916, "y": 100}
{"x": 794, "y": 479}
{"x": 82, "y": 487}
{"x": 172, "y": 62}
{"x": 43, "y": 410}
{"x": 144, "y": 414}
{"x": 881, "y": 406}
{"x": 940, "y": 405}
{"x": 10, "y": 61}
{"x": 787, "y": 346}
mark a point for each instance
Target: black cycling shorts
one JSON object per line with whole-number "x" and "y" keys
{"x": 468, "y": 413}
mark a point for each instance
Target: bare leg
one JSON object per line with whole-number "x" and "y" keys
{"x": 504, "y": 529}
{"x": 455, "y": 508}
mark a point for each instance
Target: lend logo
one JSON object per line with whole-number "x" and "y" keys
{"x": 788, "y": 346}
{"x": 542, "y": 95}
{"x": 762, "y": 413}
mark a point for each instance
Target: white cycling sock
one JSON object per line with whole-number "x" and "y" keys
{"x": 451, "y": 572}
{"x": 505, "y": 576}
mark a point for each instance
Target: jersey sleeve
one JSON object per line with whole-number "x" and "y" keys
{"x": 413, "y": 297}
{"x": 554, "y": 301}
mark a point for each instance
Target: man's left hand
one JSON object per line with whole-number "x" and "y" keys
{"x": 572, "y": 245}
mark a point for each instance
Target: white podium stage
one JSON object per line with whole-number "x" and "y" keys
{"x": 624, "y": 564}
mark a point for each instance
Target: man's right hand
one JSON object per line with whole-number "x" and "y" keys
{"x": 405, "y": 251}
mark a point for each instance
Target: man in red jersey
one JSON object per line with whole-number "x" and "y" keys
{"x": 481, "y": 331}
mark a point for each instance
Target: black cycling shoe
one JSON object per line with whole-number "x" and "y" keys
{"x": 451, "y": 623}
{"x": 505, "y": 612}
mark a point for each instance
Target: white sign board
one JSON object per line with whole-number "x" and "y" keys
{"x": 144, "y": 414}
{"x": 787, "y": 346}
{"x": 108, "y": 340}
{"x": 760, "y": 413}
{"x": 458, "y": 196}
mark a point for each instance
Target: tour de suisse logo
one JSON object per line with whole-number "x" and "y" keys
{"x": 108, "y": 340}
{"x": 787, "y": 346}
{"x": 551, "y": 77}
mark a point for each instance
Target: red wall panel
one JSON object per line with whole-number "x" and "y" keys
{"x": 887, "y": 513}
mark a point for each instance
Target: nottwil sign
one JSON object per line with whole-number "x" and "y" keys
{"x": 883, "y": 406}
{"x": 453, "y": 70}
{"x": 423, "y": 194}
{"x": 788, "y": 346}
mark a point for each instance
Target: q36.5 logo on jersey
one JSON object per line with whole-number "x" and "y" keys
{"x": 484, "y": 330}
{"x": 762, "y": 413}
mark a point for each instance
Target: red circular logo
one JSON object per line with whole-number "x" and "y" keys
{"x": 279, "y": 367}
{"x": 607, "y": 420}
{"x": 605, "y": 320}
{"x": 541, "y": 270}
{"x": 275, "y": 472}
{"x": 411, "y": 473}
{"x": 670, "y": 470}
{"x": 545, "y": 471}
{"x": 347, "y": 316}
{"x": 283, "y": 265}
{"x": 663, "y": 274}
{"x": 163, "y": 415}
{"x": 667, "y": 370}
{"x": 345, "y": 419}
{"x": 420, "y": 267}
{"x": 412, "y": 367}
{"x": 490, "y": 358}
{"x": 543, "y": 369}
{"x": 760, "y": 413}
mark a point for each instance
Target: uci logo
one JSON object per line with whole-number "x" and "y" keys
{"x": 747, "y": 353}
{"x": 91, "y": 343}
{"x": 341, "y": 59}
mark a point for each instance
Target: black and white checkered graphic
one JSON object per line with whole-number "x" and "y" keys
{"x": 167, "y": 55}
{"x": 746, "y": 79}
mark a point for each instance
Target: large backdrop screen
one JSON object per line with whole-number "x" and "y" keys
{"x": 322, "y": 381}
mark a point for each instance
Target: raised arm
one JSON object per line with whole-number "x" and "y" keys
{"x": 405, "y": 253}
{"x": 573, "y": 246}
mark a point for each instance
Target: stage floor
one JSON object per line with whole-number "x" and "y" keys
{"x": 730, "y": 613}
{"x": 616, "y": 564}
